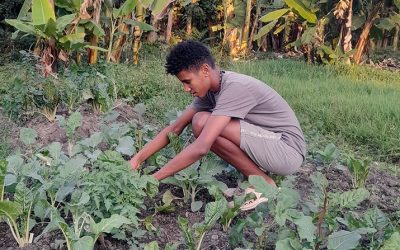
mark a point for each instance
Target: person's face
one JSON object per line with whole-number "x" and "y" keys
{"x": 197, "y": 83}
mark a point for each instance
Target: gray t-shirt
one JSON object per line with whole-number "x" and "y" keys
{"x": 247, "y": 98}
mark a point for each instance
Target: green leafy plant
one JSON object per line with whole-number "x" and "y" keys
{"x": 194, "y": 235}
{"x": 195, "y": 178}
{"x": 70, "y": 125}
{"x": 329, "y": 154}
{"x": 84, "y": 232}
{"x": 115, "y": 189}
{"x": 359, "y": 170}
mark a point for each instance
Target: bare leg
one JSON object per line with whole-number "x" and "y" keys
{"x": 227, "y": 146}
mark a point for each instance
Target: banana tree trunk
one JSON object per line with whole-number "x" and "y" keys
{"x": 170, "y": 23}
{"x": 347, "y": 28}
{"x": 246, "y": 28}
{"x": 362, "y": 41}
{"x": 137, "y": 34}
{"x": 396, "y": 37}
{"x": 228, "y": 12}
{"x": 120, "y": 42}
{"x": 93, "y": 52}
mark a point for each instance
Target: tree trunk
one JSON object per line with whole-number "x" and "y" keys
{"x": 246, "y": 28}
{"x": 228, "y": 12}
{"x": 137, "y": 34}
{"x": 347, "y": 29}
{"x": 362, "y": 41}
{"x": 253, "y": 28}
{"x": 396, "y": 37}
{"x": 170, "y": 24}
{"x": 93, "y": 52}
{"x": 120, "y": 42}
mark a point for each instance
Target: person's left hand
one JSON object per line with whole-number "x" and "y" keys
{"x": 135, "y": 164}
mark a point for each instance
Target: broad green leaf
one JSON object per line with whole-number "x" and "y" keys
{"x": 187, "y": 234}
{"x": 196, "y": 206}
{"x": 350, "y": 199}
{"x": 106, "y": 225}
{"x": 42, "y": 11}
{"x": 302, "y": 10}
{"x": 10, "y": 209}
{"x": 15, "y": 163}
{"x": 262, "y": 186}
{"x": 357, "y": 22}
{"x": 308, "y": 35}
{"x": 151, "y": 246}
{"x": 283, "y": 245}
{"x": 73, "y": 38}
{"x": 84, "y": 243}
{"x": 158, "y": 6}
{"x": 274, "y": 15}
{"x": 126, "y": 146}
{"x": 55, "y": 150}
{"x": 27, "y": 136}
{"x": 392, "y": 243}
{"x": 343, "y": 240}
{"x": 73, "y": 166}
{"x": 22, "y": 26}
{"x": 93, "y": 141}
{"x": 95, "y": 28}
{"x": 127, "y": 7}
{"x": 73, "y": 122}
{"x": 63, "y": 21}
{"x": 143, "y": 26}
{"x": 305, "y": 228}
{"x": 168, "y": 197}
{"x": 397, "y": 3}
{"x": 213, "y": 212}
{"x": 146, "y": 3}
{"x": 265, "y": 29}
{"x": 385, "y": 24}
{"x": 10, "y": 179}
{"x": 23, "y": 12}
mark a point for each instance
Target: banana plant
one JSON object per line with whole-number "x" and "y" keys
{"x": 282, "y": 18}
{"x": 56, "y": 35}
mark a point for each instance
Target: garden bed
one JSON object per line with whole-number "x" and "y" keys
{"x": 382, "y": 185}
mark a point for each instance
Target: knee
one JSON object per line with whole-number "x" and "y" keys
{"x": 198, "y": 122}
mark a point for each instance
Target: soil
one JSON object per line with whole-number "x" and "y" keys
{"x": 382, "y": 185}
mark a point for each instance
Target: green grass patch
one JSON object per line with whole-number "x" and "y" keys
{"x": 353, "y": 105}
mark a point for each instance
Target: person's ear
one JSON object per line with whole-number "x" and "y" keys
{"x": 205, "y": 69}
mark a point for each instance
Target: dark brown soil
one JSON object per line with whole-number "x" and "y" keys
{"x": 382, "y": 185}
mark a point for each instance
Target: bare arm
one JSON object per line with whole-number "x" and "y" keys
{"x": 161, "y": 139}
{"x": 212, "y": 129}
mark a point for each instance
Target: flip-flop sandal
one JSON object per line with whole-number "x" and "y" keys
{"x": 253, "y": 203}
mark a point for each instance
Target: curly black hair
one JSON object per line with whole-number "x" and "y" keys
{"x": 188, "y": 55}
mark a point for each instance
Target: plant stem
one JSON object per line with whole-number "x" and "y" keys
{"x": 201, "y": 239}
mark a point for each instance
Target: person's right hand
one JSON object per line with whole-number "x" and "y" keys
{"x": 135, "y": 164}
